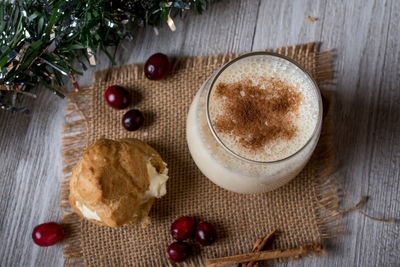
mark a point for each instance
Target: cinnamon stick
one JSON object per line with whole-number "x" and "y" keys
{"x": 260, "y": 246}
{"x": 256, "y": 244}
{"x": 264, "y": 255}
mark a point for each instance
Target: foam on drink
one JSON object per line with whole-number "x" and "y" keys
{"x": 279, "y": 101}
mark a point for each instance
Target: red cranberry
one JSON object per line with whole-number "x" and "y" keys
{"x": 132, "y": 120}
{"x": 178, "y": 251}
{"x": 117, "y": 97}
{"x": 183, "y": 228}
{"x": 205, "y": 233}
{"x": 47, "y": 234}
{"x": 157, "y": 66}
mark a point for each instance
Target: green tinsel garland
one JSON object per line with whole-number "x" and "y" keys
{"x": 41, "y": 41}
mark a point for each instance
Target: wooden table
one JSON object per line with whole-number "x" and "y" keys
{"x": 366, "y": 38}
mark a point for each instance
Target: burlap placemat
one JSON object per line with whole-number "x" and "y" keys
{"x": 303, "y": 210}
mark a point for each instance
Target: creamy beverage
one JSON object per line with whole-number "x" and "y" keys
{"x": 254, "y": 124}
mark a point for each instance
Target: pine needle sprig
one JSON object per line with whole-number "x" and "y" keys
{"x": 42, "y": 42}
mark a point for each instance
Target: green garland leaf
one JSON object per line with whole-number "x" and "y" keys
{"x": 41, "y": 40}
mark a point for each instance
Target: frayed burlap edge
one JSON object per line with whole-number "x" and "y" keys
{"x": 328, "y": 214}
{"x": 73, "y": 144}
{"x": 78, "y": 117}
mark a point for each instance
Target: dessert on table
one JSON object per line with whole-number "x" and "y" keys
{"x": 116, "y": 181}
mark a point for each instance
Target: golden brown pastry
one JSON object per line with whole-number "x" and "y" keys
{"x": 116, "y": 181}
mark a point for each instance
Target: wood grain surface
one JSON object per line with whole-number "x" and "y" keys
{"x": 365, "y": 36}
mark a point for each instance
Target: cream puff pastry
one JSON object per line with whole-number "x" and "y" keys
{"x": 116, "y": 181}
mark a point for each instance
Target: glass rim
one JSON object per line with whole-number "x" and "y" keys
{"x": 273, "y": 54}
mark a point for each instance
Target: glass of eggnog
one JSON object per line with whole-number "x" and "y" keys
{"x": 254, "y": 124}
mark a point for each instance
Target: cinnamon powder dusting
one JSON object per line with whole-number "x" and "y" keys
{"x": 255, "y": 115}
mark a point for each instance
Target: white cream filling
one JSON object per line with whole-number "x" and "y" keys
{"x": 88, "y": 213}
{"x": 157, "y": 181}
